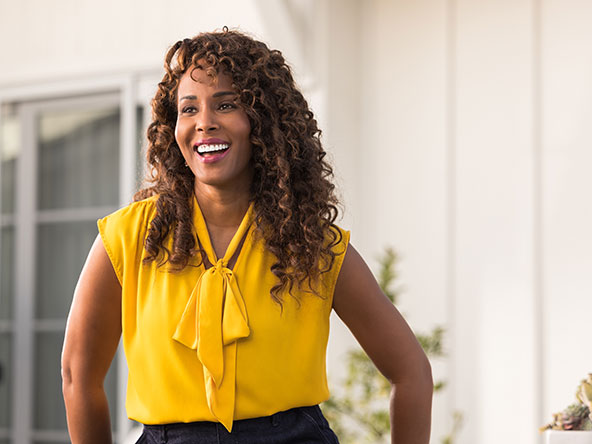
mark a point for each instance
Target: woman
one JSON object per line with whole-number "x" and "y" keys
{"x": 222, "y": 274}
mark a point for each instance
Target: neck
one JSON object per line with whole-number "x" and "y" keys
{"x": 222, "y": 208}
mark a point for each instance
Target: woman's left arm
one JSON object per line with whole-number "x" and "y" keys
{"x": 389, "y": 342}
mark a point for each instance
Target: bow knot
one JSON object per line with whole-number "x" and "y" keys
{"x": 215, "y": 317}
{"x": 220, "y": 267}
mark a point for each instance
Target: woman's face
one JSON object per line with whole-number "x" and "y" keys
{"x": 213, "y": 131}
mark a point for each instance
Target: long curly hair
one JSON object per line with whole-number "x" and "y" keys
{"x": 295, "y": 206}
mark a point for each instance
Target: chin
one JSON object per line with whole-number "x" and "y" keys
{"x": 219, "y": 182}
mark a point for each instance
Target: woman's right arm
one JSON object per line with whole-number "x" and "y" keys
{"x": 92, "y": 335}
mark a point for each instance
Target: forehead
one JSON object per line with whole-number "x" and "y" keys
{"x": 199, "y": 77}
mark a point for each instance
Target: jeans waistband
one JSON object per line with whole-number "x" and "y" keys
{"x": 239, "y": 424}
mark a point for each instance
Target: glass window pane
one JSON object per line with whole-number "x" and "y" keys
{"x": 61, "y": 251}
{"x": 78, "y": 158}
{"x": 5, "y": 379}
{"x": 51, "y": 442}
{"x": 6, "y": 272}
{"x": 9, "y": 149}
{"x": 110, "y": 386}
{"x": 140, "y": 147}
{"x": 49, "y": 410}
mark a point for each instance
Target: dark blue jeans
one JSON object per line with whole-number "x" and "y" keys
{"x": 302, "y": 425}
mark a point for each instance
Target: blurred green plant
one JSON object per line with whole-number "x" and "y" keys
{"x": 359, "y": 413}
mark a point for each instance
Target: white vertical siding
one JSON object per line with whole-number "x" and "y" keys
{"x": 401, "y": 164}
{"x": 567, "y": 208}
{"x": 495, "y": 304}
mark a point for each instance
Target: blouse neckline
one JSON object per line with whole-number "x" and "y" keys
{"x": 203, "y": 236}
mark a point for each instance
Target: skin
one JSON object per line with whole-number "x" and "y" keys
{"x": 92, "y": 335}
{"x": 94, "y": 323}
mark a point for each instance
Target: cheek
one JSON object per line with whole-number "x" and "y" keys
{"x": 243, "y": 125}
{"x": 246, "y": 133}
{"x": 177, "y": 132}
{"x": 181, "y": 130}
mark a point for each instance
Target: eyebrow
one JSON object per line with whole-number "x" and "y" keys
{"x": 218, "y": 94}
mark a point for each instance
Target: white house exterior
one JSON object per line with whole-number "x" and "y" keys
{"x": 461, "y": 134}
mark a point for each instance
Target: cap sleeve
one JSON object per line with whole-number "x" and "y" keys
{"x": 123, "y": 233}
{"x": 330, "y": 277}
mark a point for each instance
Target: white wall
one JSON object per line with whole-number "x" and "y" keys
{"x": 567, "y": 207}
{"x": 62, "y": 38}
{"x": 495, "y": 211}
{"x": 472, "y": 156}
{"x": 401, "y": 163}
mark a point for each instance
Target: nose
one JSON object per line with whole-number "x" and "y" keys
{"x": 206, "y": 121}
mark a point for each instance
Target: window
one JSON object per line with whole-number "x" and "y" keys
{"x": 65, "y": 162}
{"x": 9, "y": 149}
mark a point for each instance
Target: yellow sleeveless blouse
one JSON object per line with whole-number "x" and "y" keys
{"x": 210, "y": 344}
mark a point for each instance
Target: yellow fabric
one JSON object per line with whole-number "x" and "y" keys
{"x": 211, "y": 345}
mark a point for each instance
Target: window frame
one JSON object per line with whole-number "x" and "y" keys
{"x": 127, "y": 91}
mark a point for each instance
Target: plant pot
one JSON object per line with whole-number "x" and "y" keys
{"x": 568, "y": 437}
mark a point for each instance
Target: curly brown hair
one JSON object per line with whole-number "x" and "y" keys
{"x": 295, "y": 206}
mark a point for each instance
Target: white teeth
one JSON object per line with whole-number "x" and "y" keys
{"x": 204, "y": 148}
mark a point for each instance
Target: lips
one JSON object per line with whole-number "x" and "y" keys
{"x": 211, "y": 150}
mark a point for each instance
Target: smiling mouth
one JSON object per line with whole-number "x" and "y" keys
{"x": 209, "y": 149}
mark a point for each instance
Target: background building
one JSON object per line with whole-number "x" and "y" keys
{"x": 460, "y": 131}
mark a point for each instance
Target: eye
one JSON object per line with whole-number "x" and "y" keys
{"x": 188, "y": 109}
{"x": 226, "y": 106}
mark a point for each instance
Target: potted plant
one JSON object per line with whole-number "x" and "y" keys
{"x": 574, "y": 424}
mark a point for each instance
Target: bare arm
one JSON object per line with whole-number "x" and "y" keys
{"x": 389, "y": 342}
{"x": 92, "y": 335}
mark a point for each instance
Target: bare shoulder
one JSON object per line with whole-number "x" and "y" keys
{"x": 374, "y": 320}
{"x": 358, "y": 299}
{"x": 98, "y": 278}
